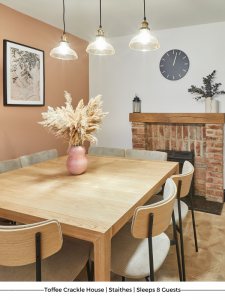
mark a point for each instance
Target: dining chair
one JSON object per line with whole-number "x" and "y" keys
{"x": 183, "y": 183}
{"x": 6, "y": 166}
{"x": 106, "y": 151}
{"x": 9, "y": 165}
{"x": 147, "y": 154}
{"x": 40, "y": 252}
{"x": 137, "y": 251}
{"x": 32, "y": 159}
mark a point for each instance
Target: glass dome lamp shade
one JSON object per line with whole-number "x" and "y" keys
{"x": 144, "y": 41}
{"x": 100, "y": 46}
{"x": 63, "y": 51}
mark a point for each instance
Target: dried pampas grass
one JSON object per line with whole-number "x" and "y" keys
{"x": 75, "y": 126}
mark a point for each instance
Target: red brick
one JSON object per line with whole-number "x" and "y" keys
{"x": 192, "y": 132}
{"x": 210, "y": 156}
{"x": 142, "y": 141}
{"x": 218, "y": 180}
{"x": 199, "y": 165}
{"x": 161, "y": 144}
{"x": 155, "y": 144}
{"x": 218, "y": 132}
{"x": 179, "y": 132}
{"x": 192, "y": 146}
{"x": 214, "y": 186}
{"x": 138, "y": 136}
{"x": 173, "y": 129}
{"x": 155, "y": 130}
{"x": 179, "y": 145}
{"x": 213, "y": 174}
{"x": 218, "y": 157}
{"x": 218, "y": 193}
{"x": 214, "y": 198}
{"x": 149, "y": 130}
{"x": 210, "y": 168}
{"x": 199, "y": 159}
{"x": 214, "y": 138}
{"x": 209, "y": 192}
{"x": 167, "y": 131}
{"x": 218, "y": 169}
{"x": 213, "y": 126}
{"x": 209, "y": 179}
{"x": 218, "y": 145}
{"x": 134, "y": 140}
{"x": 185, "y": 145}
{"x": 215, "y": 163}
{"x": 200, "y": 186}
{"x": 141, "y": 130}
{"x": 161, "y": 131}
{"x": 200, "y": 171}
{"x": 200, "y": 176}
{"x": 167, "y": 145}
{"x": 213, "y": 150}
{"x": 198, "y": 132}
{"x": 198, "y": 149}
{"x": 185, "y": 132}
{"x": 134, "y": 130}
{"x": 203, "y": 132}
{"x": 209, "y": 132}
{"x": 150, "y": 144}
{"x": 173, "y": 145}
{"x": 210, "y": 144}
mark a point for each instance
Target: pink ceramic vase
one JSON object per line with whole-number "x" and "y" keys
{"x": 77, "y": 161}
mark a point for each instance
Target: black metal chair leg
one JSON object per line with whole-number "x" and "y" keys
{"x": 193, "y": 223}
{"x": 177, "y": 247}
{"x": 123, "y": 278}
{"x": 181, "y": 238}
{"x": 88, "y": 271}
{"x": 92, "y": 271}
{"x": 150, "y": 247}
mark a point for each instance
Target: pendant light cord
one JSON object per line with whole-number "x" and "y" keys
{"x": 64, "y": 31}
{"x": 100, "y": 14}
{"x": 144, "y": 11}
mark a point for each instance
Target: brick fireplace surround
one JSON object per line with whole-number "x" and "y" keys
{"x": 200, "y": 133}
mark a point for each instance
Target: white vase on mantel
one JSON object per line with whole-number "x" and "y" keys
{"x": 211, "y": 106}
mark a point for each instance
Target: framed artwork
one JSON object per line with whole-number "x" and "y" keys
{"x": 23, "y": 75}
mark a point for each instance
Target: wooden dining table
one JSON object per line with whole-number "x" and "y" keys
{"x": 92, "y": 206}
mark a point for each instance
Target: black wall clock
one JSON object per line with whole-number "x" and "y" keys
{"x": 174, "y": 64}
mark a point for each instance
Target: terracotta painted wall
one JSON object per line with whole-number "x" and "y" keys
{"x": 20, "y": 134}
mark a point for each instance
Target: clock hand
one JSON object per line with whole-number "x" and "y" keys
{"x": 175, "y": 59}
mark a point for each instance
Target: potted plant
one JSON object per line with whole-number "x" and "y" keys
{"x": 75, "y": 126}
{"x": 207, "y": 91}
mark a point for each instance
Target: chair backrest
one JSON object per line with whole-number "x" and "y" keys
{"x": 106, "y": 151}
{"x": 17, "y": 243}
{"x": 146, "y": 154}
{"x": 32, "y": 159}
{"x": 185, "y": 177}
{"x": 162, "y": 214}
{"x": 9, "y": 165}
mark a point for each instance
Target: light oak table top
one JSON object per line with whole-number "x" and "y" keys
{"x": 92, "y": 206}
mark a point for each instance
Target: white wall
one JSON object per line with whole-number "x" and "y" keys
{"x": 118, "y": 77}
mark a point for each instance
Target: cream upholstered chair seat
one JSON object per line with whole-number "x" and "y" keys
{"x": 9, "y": 165}
{"x": 130, "y": 247}
{"x": 106, "y": 151}
{"x": 63, "y": 265}
{"x": 147, "y": 154}
{"x": 32, "y": 159}
{"x": 129, "y": 256}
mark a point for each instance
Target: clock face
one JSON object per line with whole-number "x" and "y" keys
{"x": 174, "y": 64}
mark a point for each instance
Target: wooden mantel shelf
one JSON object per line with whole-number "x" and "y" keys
{"x": 196, "y": 118}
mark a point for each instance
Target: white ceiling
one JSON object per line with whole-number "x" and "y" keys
{"x": 121, "y": 17}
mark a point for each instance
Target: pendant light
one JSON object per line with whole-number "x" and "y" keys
{"x": 100, "y": 47}
{"x": 144, "y": 41}
{"x": 63, "y": 51}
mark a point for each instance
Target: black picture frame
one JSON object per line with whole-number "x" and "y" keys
{"x": 24, "y": 91}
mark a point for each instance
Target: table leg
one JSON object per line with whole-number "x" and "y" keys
{"x": 102, "y": 257}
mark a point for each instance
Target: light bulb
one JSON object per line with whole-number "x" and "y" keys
{"x": 63, "y": 51}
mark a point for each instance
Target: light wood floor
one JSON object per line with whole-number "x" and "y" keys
{"x": 208, "y": 264}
